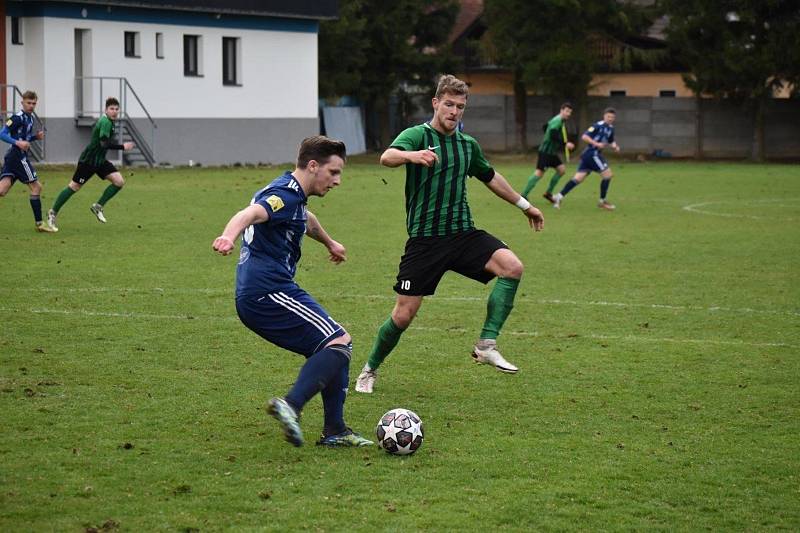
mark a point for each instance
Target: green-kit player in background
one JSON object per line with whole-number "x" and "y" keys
{"x": 93, "y": 161}
{"x": 552, "y": 146}
{"x": 438, "y": 160}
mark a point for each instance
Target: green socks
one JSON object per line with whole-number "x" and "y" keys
{"x": 553, "y": 182}
{"x": 499, "y": 306}
{"x": 108, "y": 194}
{"x": 388, "y": 335}
{"x": 532, "y": 181}
{"x": 63, "y": 196}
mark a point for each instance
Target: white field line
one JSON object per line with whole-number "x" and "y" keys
{"x": 700, "y": 208}
{"x": 545, "y": 301}
{"x": 630, "y": 338}
{"x": 635, "y": 338}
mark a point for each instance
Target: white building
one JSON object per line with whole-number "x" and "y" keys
{"x": 223, "y": 81}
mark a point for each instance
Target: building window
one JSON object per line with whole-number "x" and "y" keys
{"x": 132, "y": 44}
{"x": 231, "y": 61}
{"x": 159, "y": 46}
{"x": 667, "y": 93}
{"x": 16, "y": 30}
{"x": 618, "y": 92}
{"x": 192, "y": 55}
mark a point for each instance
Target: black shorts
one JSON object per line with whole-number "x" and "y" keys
{"x": 85, "y": 171}
{"x": 426, "y": 259}
{"x": 548, "y": 160}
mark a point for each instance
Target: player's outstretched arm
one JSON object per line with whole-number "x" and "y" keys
{"x": 314, "y": 229}
{"x": 500, "y": 186}
{"x": 254, "y": 214}
{"x": 393, "y": 157}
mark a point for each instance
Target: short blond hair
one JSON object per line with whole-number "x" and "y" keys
{"x": 449, "y": 84}
{"x": 29, "y": 95}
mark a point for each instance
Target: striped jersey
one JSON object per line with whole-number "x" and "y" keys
{"x": 553, "y": 141}
{"x": 270, "y": 250}
{"x": 95, "y": 153}
{"x": 436, "y": 197}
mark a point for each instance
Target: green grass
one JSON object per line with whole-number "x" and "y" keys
{"x": 658, "y": 349}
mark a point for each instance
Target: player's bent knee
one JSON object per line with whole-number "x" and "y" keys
{"x": 344, "y": 340}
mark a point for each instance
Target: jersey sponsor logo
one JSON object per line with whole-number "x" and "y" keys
{"x": 275, "y": 203}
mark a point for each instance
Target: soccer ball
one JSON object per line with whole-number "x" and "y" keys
{"x": 400, "y": 432}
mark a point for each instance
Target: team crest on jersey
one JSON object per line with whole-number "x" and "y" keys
{"x": 275, "y": 202}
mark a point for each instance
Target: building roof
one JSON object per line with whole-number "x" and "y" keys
{"x": 304, "y": 9}
{"x": 469, "y": 13}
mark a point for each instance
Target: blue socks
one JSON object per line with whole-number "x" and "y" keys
{"x": 333, "y": 397}
{"x": 571, "y": 184}
{"x": 36, "y": 205}
{"x": 326, "y": 371}
{"x": 604, "y": 183}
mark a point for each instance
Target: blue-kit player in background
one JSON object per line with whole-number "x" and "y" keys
{"x": 598, "y": 136}
{"x": 18, "y": 132}
{"x": 271, "y": 304}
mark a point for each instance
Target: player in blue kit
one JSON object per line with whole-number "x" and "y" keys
{"x": 598, "y": 136}
{"x": 18, "y": 132}
{"x": 271, "y": 304}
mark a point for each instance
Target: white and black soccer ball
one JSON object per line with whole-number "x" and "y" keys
{"x": 400, "y": 432}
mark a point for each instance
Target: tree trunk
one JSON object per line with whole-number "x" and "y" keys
{"x": 699, "y": 128}
{"x": 758, "y": 129}
{"x": 520, "y": 113}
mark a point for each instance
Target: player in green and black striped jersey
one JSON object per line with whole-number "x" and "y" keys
{"x": 93, "y": 161}
{"x": 554, "y": 143}
{"x": 442, "y": 236}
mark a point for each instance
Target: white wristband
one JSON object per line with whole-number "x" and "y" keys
{"x": 523, "y": 204}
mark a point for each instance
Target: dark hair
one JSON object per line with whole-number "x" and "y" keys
{"x": 111, "y": 101}
{"x": 610, "y": 110}
{"x": 29, "y": 95}
{"x": 320, "y": 149}
{"x": 567, "y": 105}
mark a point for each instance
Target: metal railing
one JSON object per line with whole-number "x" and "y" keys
{"x": 11, "y": 100}
{"x": 91, "y": 91}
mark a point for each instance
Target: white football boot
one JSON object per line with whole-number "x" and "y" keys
{"x": 97, "y": 209}
{"x": 366, "y": 380}
{"x": 51, "y": 219}
{"x": 485, "y": 352}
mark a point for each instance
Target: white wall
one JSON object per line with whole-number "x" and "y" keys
{"x": 278, "y": 69}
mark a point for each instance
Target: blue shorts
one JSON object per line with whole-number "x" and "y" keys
{"x": 18, "y": 168}
{"x": 289, "y": 318}
{"x": 592, "y": 161}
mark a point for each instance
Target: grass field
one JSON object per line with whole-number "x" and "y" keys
{"x": 658, "y": 348}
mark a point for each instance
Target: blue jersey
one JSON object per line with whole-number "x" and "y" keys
{"x": 271, "y": 250}
{"x": 599, "y": 132}
{"x": 18, "y": 127}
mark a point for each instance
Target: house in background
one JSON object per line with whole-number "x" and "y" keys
{"x": 211, "y": 81}
{"x": 485, "y": 77}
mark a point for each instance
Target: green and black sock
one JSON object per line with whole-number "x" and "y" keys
{"x": 499, "y": 306}
{"x": 108, "y": 194}
{"x": 388, "y": 336}
{"x": 63, "y": 196}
